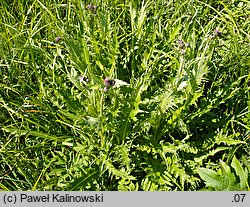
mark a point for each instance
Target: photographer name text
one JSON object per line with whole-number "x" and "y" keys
{"x": 59, "y": 198}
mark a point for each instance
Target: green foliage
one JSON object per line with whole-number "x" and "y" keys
{"x": 224, "y": 179}
{"x": 176, "y": 117}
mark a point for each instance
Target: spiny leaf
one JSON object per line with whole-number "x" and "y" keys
{"x": 240, "y": 172}
{"x": 210, "y": 177}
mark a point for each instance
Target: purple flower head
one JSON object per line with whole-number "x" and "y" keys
{"x": 58, "y": 39}
{"x": 217, "y": 33}
{"x": 108, "y": 83}
{"x": 187, "y": 44}
{"x": 106, "y": 89}
{"x": 91, "y": 7}
{"x": 180, "y": 44}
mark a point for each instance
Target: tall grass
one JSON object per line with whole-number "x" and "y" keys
{"x": 176, "y": 118}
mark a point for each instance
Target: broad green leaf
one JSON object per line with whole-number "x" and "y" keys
{"x": 229, "y": 180}
{"x": 240, "y": 172}
{"x": 211, "y": 178}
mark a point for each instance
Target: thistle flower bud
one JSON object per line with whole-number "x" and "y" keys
{"x": 108, "y": 83}
{"x": 106, "y": 89}
{"x": 91, "y": 7}
{"x": 180, "y": 44}
{"x": 187, "y": 44}
{"x": 58, "y": 39}
{"x": 217, "y": 33}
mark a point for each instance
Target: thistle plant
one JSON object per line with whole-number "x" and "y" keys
{"x": 124, "y": 95}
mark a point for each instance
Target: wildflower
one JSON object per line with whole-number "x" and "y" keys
{"x": 58, "y": 39}
{"x": 180, "y": 44}
{"x": 217, "y": 33}
{"x": 187, "y": 44}
{"x": 106, "y": 89}
{"x": 91, "y": 7}
{"x": 108, "y": 83}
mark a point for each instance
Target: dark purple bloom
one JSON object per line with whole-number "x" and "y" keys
{"x": 91, "y": 7}
{"x": 108, "y": 83}
{"x": 217, "y": 33}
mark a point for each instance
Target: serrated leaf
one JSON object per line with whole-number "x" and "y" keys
{"x": 182, "y": 85}
{"x": 146, "y": 183}
{"x": 119, "y": 83}
{"x": 228, "y": 177}
{"x": 242, "y": 174}
{"x": 117, "y": 173}
{"x": 211, "y": 178}
{"x": 219, "y": 181}
{"x": 225, "y": 168}
{"x": 211, "y": 153}
{"x": 167, "y": 101}
{"x": 93, "y": 120}
{"x": 100, "y": 65}
{"x": 229, "y": 141}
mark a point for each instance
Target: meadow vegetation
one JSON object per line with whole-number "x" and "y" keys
{"x": 124, "y": 95}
